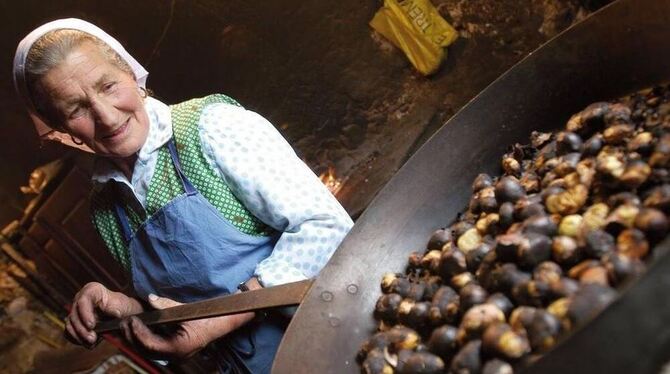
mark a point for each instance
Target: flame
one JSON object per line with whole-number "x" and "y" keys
{"x": 331, "y": 181}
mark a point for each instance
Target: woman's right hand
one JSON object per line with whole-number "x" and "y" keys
{"x": 93, "y": 300}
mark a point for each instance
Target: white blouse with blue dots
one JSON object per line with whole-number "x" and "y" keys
{"x": 265, "y": 174}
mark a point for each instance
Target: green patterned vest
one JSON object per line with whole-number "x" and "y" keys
{"x": 165, "y": 184}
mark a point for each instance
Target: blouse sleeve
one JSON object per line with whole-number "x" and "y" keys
{"x": 267, "y": 176}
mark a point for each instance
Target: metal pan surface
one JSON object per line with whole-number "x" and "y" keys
{"x": 619, "y": 49}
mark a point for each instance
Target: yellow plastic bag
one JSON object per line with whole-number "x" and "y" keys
{"x": 417, "y": 29}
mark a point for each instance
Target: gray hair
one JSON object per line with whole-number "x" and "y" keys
{"x": 50, "y": 50}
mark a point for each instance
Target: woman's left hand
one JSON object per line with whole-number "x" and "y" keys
{"x": 188, "y": 338}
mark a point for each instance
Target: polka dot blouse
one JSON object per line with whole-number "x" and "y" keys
{"x": 265, "y": 174}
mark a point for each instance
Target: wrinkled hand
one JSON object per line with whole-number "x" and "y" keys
{"x": 89, "y": 303}
{"x": 188, "y": 338}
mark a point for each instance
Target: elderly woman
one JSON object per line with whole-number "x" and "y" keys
{"x": 195, "y": 200}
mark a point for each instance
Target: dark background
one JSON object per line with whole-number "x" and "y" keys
{"x": 340, "y": 94}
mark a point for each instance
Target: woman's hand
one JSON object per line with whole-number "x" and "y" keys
{"x": 94, "y": 299}
{"x": 188, "y": 338}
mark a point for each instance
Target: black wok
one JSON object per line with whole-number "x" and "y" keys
{"x": 619, "y": 49}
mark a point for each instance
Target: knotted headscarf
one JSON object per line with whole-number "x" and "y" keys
{"x": 43, "y": 129}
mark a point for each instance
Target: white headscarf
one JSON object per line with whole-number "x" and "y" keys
{"x": 43, "y": 130}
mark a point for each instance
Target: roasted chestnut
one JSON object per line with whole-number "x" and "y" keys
{"x": 508, "y": 189}
{"x": 497, "y": 366}
{"x": 468, "y": 359}
{"x": 471, "y": 295}
{"x": 422, "y": 362}
{"x": 439, "y": 238}
{"x": 499, "y": 340}
{"x": 443, "y": 341}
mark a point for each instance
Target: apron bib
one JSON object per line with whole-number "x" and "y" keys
{"x": 188, "y": 252}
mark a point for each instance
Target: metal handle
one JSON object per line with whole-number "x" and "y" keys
{"x": 284, "y": 295}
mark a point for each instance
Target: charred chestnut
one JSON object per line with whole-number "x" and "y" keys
{"x": 387, "y": 306}
{"x": 567, "y": 142}
{"x": 595, "y": 217}
{"x": 659, "y": 198}
{"x": 470, "y": 240}
{"x": 621, "y": 218}
{"x": 596, "y": 274}
{"x": 482, "y": 181}
{"x": 422, "y": 362}
{"x": 486, "y": 200}
{"x": 559, "y": 309}
{"x": 461, "y": 280}
{"x": 530, "y": 181}
{"x": 460, "y": 228}
{"x": 452, "y": 262}
{"x": 474, "y": 257}
{"x": 540, "y": 224}
{"x": 507, "y": 246}
{"x": 414, "y": 314}
{"x": 618, "y": 133}
{"x": 576, "y": 271}
{"x": 521, "y": 317}
{"x": 432, "y": 284}
{"x": 598, "y": 243}
{"x": 569, "y": 201}
{"x": 508, "y": 189}
{"x": 443, "y": 341}
{"x": 431, "y": 260}
{"x": 642, "y": 143}
{"x": 505, "y": 277}
{"x": 593, "y": 146}
{"x": 534, "y": 293}
{"x": 620, "y": 267}
{"x": 543, "y": 330}
{"x": 497, "y": 366}
{"x": 439, "y": 238}
{"x": 468, "y": 359}
{"x": 534, "y": 249}
{"x": 510, "y": 165}
{"x": 375, "y": 363}
{"x": 396, "y": 283}
{"x": 499, "y": 340}
{"x": 635, "y": 174}
{"x": 562, "y": 288}
{"x": 506, "y": 215}
{"x": 478, "y": 318}
{"x": 471, "y": 295}
{"x": 565, "y": 251}
{"x": 444, "y": 306}
{"x": 588, "y": 120}
{"x": 547, "y": 272}
{"x": 632, "y": 243}
{"x": 487, "y": 225}
{"x": 502, "y": 302}
{"x": 653, "y": 222}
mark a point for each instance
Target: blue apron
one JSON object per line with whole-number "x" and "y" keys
{"x": 188, "y": 252}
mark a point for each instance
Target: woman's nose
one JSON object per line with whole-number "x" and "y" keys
{"x": 104, "y": 112}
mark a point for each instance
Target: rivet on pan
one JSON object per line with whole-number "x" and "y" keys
{"x": 352, "y": 288}
{"x": 327, "y": 296}
{"x": 334, "y": 321}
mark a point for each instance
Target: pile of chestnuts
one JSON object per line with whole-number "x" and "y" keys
{"x": 540, "y": 250}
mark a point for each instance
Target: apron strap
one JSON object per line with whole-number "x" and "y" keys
{"x": 123, "y": 220}
{"x": 188, "y": 187}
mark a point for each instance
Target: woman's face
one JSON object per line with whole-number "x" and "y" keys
{"x": 96, "y": 102}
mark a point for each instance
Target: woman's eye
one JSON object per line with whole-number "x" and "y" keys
{"x": 109, "y": 86}
{"x": 77, "y": 112}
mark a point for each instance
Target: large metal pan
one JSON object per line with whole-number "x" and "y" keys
{"x": 621, "y": 48}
